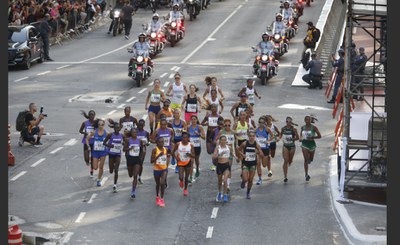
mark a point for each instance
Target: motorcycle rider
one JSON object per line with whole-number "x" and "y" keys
{"x": 176, "y": 14}
{"x": 179, "y": 2}
{"x": 278, "y": 26}
{"x": 118, "y": 5}
{"x": 266, "y": 46}
{"x": 287, "y": 11}
{"x": 157, "y": 27}
{"x": 141, "y": 47}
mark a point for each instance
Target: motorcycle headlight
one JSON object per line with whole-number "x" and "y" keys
{"x": 173, "y": 24}
{"x": 264, "y": 57}
{"x": 139, "y": 58}
{"x": 270, "y": 58}
{"x": 153, "y": 35}
{"x": 277, "y": 36}
{"x": 258, "y": 58}
{"x": 116, "y": 13}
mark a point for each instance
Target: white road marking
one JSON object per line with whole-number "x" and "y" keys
{"x": 210, "y": 231}
{"x": 171, "y": 76}
{"x": 37, "y": 162}
{"x": 166, "y": 84}
{"x": 120, "y": 106}
{"x": 21, "y": 79}
{"x": 144, "y": 117}
{"x": 111, "y": 112}
{"x": 17, "y": 176}
{"x": 61, "y": 67}
{"x": 303, "y": 107}
{"x": 163, "y": 75}
{"x": 177, "y": 69}
{"x": 212, "y": 34}
{"x": 151, "y": 84}
{"x": 94, "y": 195}
{"x": 54, "y": 151}
{"x": 173, "y": 68}
{"x": 141, "y": 91}
{"x": 129, "y": 100}
{"x": 43, "y": 73}
{"x": 214, "y": 213}
{"x": 80, "y": 217}
{"x": 103, "y": 180}
{"x": 73, "y": 98}
{"x": 71, "y": 142}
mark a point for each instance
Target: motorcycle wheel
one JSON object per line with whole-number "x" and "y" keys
{"x": 152, "y": 56}
{"x": 115, "y": 27}
{"x": 308, "y": 3}
{"x": 173, "y": 42}
{"x": 264, "y": 79}
{"x": 191, "y": 16}
{"x": 139, "y": 81}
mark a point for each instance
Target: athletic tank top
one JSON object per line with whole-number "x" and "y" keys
{"x": 215, "y": 102}
{"x": 88, "y": 129}
{"x": 194, "y": 138}
{"x": 241, "y": 131}
{"x": 191, "y": 104}
{"x": 161, "y": 162}
{"x": 274, "y": 132}
{"x": 241, "y": 107}
{"x": 307, "y": 133}
{"x": 178, "y": 93}
{"x": 98, "y": 141}
{"x": 288, "y": 136}
{"x": 262, "y": 137}
{"x": 142, "y": 135}
{"x": 182, "y": 153}
{"x": 135, "y": 152}
{"x": 250, "y": 95}
{"x": 223, "y": 152}
{"x": 155, "y": 97}
{"x": 177, "y": 130}
{"x": 212, "y": 121}
{"x": 210, "y": 88}
{"x": 250, "y": 153}
{"x": 127, "y": 124}
{"x": 116, "y": 140}
{"x": 166, "y": 135}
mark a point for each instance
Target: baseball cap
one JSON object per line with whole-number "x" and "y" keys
{"x": 310, "y": 23}
{"x": 361, "y": 49}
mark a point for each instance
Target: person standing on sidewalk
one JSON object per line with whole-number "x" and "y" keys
{"x": 45, "y": 31}
{"x": 358, "y": 70}
{"x": 314, "y": 77}
{"x": 339, "y": 63}
{"x": 308, "y": 134}
{"x": 127, "y": 12}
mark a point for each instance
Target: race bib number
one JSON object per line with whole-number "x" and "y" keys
{"x": 155, "y": 98}
{"x": 127, "y": 126}
{"x": 195, "y": 141}
{"x": 250, "y": 156}
{"x": 262, "y": 142}
{"x": 177, "y": 98}
{"x": 251, "y": 98}
{"x": 98, "y": 146}
{"x": 240, "y": 109}
{"x": 191, "y": 107}
{"x": 184, "y": 156}
{"x": 166, "y": 141}
{"x": 287, "y": 139}
{"x": 169, "y": 119}
{"x": 89, "y": 129}
{"x": 213, "y": 121}
{"x": 225, "y": 153}
{"x": 242, "y": 134}
{"x": 134, "y": 152}
{"x": 162, "y": 160}
{"x": 116, "y": 149}
{"x": 143, "y": 139}
{"x": 230, "y": 139}
{"x": 178, "y": 132}
{"x": 306, "y": 134}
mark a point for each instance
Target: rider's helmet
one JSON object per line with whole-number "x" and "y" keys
{"x": 143, "y": 36}
{"x": 278, "y": 17}
{"x": 286, "y": 4}
{"x": 156, "y": 16}
{"x": 175, "y": 7}
{"x": 265, "y": 35}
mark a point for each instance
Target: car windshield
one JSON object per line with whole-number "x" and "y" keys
{"x": 17, "y": 35}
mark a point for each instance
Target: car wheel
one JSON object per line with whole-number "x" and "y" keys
{"x": 27, "y": 62}
{"x": 41, "y": 58}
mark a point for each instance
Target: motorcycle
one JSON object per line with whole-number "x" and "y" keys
{"x": 299, "y": 7}
{"x": 193, "y": 8}
{"x": 292, "y": 28}
{"x": 281, "y": 44}
{"x": 295, "y": 16}
{"x": 174, "y": 31}
{"x": 266, "y": 66}
{"x": 155, "y": 40}
{"x": 118, "y": 25}
{"x": 139, "y": 71}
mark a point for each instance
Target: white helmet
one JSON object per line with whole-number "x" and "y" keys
{"x": 156, "y": 15}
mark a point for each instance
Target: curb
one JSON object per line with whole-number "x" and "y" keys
{"x": 343, "y": 217}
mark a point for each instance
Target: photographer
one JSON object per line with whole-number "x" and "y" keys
{"x": 32, "y": 126}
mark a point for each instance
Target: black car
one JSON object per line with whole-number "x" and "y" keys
{"x": 24, "y": 46}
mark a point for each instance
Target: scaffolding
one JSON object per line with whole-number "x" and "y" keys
{"x": 371, "y": 17}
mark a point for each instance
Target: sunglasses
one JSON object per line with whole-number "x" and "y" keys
{"x": 227, "y": 125}
{"x": 261, "y": 122}
{"x": 176, "y": 78}
{"x": 101, "y": 124}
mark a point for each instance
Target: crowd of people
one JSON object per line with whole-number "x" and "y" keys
{"x": 177, "y": 133}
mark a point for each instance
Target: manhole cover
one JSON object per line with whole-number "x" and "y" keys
{"x": 95, "y": 97}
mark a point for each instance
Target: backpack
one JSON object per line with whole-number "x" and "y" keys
{"x": 316, "y": 34}
{"x": 20, "y": 122}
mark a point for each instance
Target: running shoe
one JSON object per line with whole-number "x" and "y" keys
{"x": 91, "y": 173}
{"x": 115, "y": 188}
{"x": 259, "y": 182}
{"x": 213, "y": 168}
{"x": 243, "y": 184}
{"x": 225, "y": 198}
{"x": 197, "y": 173}
{"x": 185, "y": 192}
{"x": 219, "y": 197}
{"x": 20, "y": 141}
{"x": 190, "y": 180}
{"x": 140, "y": 180}
{"x": 158, "y": 200}
{"x": 133, "y": 193}
{"x": 248, "y": 195}
{"x": 176, "y": 169}
{"x": 181, "y": 183}
{"x": 269, "y": 173}
{"x": 228, "y": 189}
{"x": 87, "y": 163}
{"x": 98, "y": 182}
{"x": 161, "y": 203}
{"x": 285, "y": 180}
{"x": 38, "y": 144}
{"x": 309, "y": 162}
{"x": 308, "y": 177}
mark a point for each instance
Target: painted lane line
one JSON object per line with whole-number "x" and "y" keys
{"x": 54, "y": 151}
{"x": 111, "y": 112}
{"x": 74, "y": 98}
{"x": 37, "y": 162}
{"x": 141, "y": 91}
{"x": 151, "y": 84}
{"x": 17, "y": 176}
{"x": 210, "y": 231}
{"x": 94, "y": 195}
{"x": 80, "y": 217}
{"x": 144, "y": 117}
{"x": 173, "y": 68}
{"x": 171, "y": 76}
{"x": 212, "y": 34}
{"x": 43, "y": 73}
{"x": 21, "y": 79}
{"x": 71, "y": 142}
{"x": 177, "y": 69}
{"x": 166, "y": 84}
{"x": 120, "y": 106}
{"x": 129, "y": 100}
{"x": 61, "y": 67}
{"x": 163, "y": 75}
{"x": 214, "y": 213}
{"x": 103, "y": 180}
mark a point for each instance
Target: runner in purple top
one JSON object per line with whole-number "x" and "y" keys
{"x": 85, "y": 129}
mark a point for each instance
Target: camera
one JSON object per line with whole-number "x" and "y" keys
{"x": 41, "y": 112}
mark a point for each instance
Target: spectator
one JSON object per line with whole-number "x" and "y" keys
{"x": 127, "y": 11}
{"x": 339, "y": 63}
{"x": 314, "y": 77}
{"x": 45, "y": 30}
{"x": 32, "y": 127}
{"x": 358, "y": 70}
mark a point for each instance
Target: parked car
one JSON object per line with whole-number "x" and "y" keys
{"x": 25, "y": 46}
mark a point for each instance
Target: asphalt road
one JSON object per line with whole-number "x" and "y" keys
{"x": 56, "y": 199}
